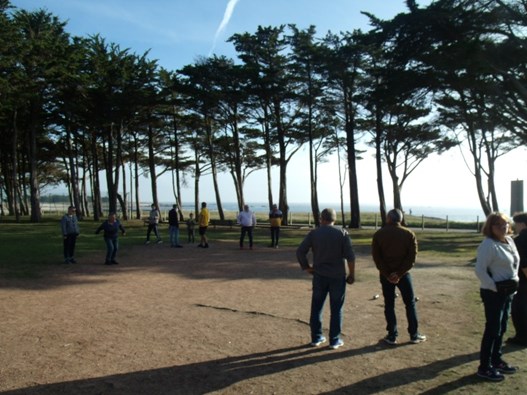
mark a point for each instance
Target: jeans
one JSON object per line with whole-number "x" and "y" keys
{"x": 174, "y": 235}
{"x": 407, "y": 293}
{"x": 497, "y": 309}
{"x": 336, "y": 287}
{"x": 112, "y": 245}
{"x": 69, "y": 246}
{"x": 249, "y": 231}
{"x": 275, "y": 235}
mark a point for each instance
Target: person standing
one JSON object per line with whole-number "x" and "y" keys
{"x": 247, "y": 220}
{"x": 331, "y": 248}
{"x": 69, "y": 225}
{"x": 191, "y": 224}
{"x": 497, "y": 260}
{"x": 275, "y": 219}
{"x": 111, "y": 228}
{"x": 394, "y": 249}
{"x": 519, "y": 301}
{"x": 204, "y": 219}
{"x": 173, "y": 227}
{"x": 153, "y": 221}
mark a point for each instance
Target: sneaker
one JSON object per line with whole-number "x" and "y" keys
{"x": 337, "y": 344}
{"x": 318, "y": 342}
{"x": 490, "y": 374}
{"x": 159, "y": 241}
{"x": 390, "y": 339}
{"x": 73, "y": 260}
{"x": 418, "y": 338}
{"x": 505, "y": 368}
{"x": 147, "y": 242}
{"x": 114, "y": 262}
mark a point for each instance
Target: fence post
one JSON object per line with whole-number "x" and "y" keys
{"x": 422, "y": 222}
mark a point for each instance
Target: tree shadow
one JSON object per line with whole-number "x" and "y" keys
{"x": 197, "y": 378}
{"x": 397, "y": 378}
{"x": 216, "y": 375}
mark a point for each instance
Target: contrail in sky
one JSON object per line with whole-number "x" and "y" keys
{"x": 225, "y": 21}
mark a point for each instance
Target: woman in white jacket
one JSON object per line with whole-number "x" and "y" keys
{"x": 497, "y": 261}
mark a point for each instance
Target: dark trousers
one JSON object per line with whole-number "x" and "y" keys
{"x": 407, "y": 292}
{"x": 69, "y": 246}
{"x": 497, "y": 309}
{"x": 152, "y": 227}
{"x": 519, "y": 313}
{"x": 275, "y": 235}
{"x": 249, "y": 231}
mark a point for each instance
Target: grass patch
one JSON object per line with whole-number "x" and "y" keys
{"x": 28, "y": 249}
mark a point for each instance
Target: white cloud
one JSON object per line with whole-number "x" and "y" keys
{"x": 225, "y": 21}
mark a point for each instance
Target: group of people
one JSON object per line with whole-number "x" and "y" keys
{"x": 394, "y": 249}
{"x": 501, "y": 267}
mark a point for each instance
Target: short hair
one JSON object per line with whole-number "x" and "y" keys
{"x": 492, "y": 220}
{"x": 328, "y": 214}
{"x": 395, "y": 215}
{"x": 203, "y": 204}
{"x": 520, "y": 218}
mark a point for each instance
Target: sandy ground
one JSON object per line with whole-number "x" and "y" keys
{"x": 221, "y": 320}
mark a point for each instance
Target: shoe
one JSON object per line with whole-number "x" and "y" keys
{"x": 200, "y": 246}
{"x": 390, "y": 339}
{"x": 179, "y": 246}
{"x": 337, "y": 344}
{"x": 114, "y": 262}
{"x": 73, "y": 260}
{"x": 318, "y": 342}
{"x": 66, "y": 261}
{"x": 147, "y": 242}
{"x": 491, "y": 374}
{"x": 206, "y": 245}
{"x": 505, "y": 368}
{"x": 276, "y": 246}
{"x": 417, "y": 338}
{"x": 159, "y": 241}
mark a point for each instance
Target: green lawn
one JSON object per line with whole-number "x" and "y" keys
{"x": 28, "y": 249}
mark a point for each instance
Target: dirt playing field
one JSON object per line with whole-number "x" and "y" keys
{"x": 221, "y": 320}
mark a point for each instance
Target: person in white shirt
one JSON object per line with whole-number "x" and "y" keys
{"x": 247, "y": 220}
{"x": 496, "y": 264}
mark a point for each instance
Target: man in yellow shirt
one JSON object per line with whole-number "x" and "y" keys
{"x": 204, "y": 218}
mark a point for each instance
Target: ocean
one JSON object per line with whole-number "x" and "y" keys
{"x": 458, "y": 214}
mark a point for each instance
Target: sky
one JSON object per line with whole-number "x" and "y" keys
{"x": 178, "y": 32}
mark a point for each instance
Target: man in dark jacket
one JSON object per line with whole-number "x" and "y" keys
{"x": 519, "y": 303}
{"x": 394, "y": 249}
{"x": 173, "y": 227}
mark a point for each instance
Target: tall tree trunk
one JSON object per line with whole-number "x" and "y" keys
{"x": 34, "y": 187}
{"x": 152, "y": 165}
{"x": 378, "y": 162}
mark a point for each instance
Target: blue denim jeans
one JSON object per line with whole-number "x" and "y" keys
{"x": 407, "y": 292}
{"x": 174, "y": 235}
{"x": 112, "y": 245}
{"x": 497, "y": 309}
{"x": 336, "y": 287}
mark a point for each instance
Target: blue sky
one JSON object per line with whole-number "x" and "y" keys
{"x": 178, "y": 31}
